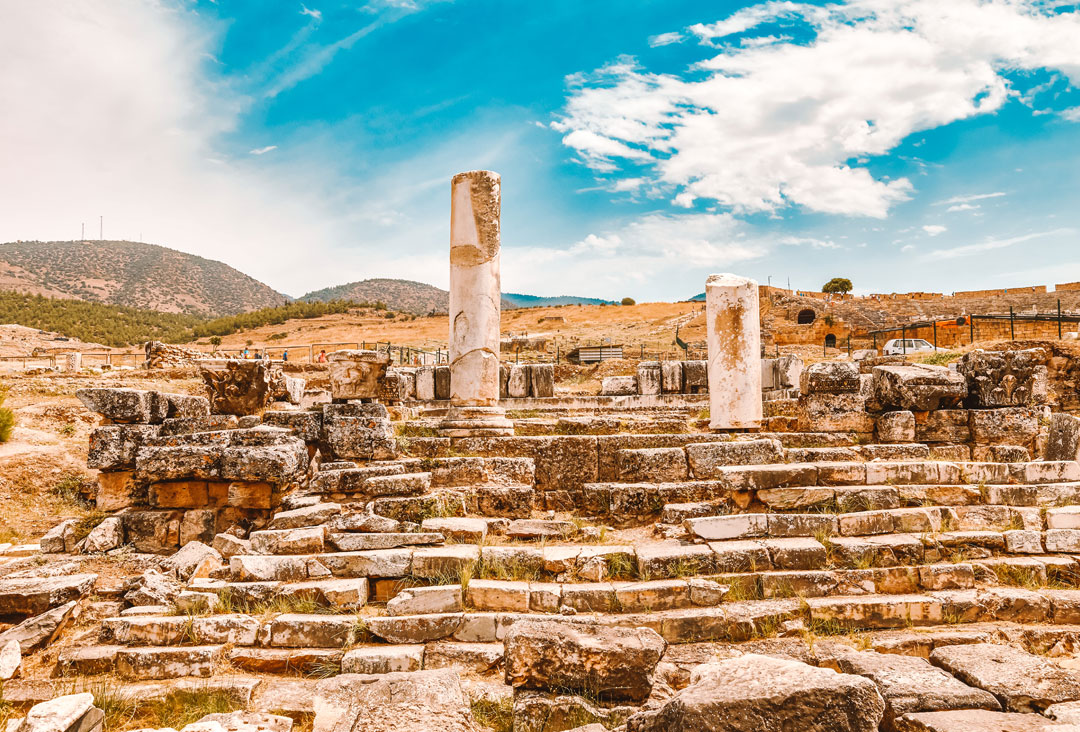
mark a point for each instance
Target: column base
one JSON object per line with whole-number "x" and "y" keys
{"x": 463, "y": 421}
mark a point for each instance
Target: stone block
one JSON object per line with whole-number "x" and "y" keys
{"x": 442, "y": 382}
{"x": 695, "y": 377}
{"x": 1064, "y": 440}
{"x": 541, "y": 380}
{"x": 618, "y": 386}
{"x": 356, "y": 374}
{"x": 754, "y": 692}
{"x": 649, "y": 377}
{"x": 707, "y": 458}
{"x": 1022, "y": 681}
{"x": 1007, "y": 426}
{"x": 238, "y": 387}
{"x": 896, "y": 427}
{"x": 425, "y": 383}
{"x": 829, "y": 377}
{"x": 126, "y": 406}
{"x": 656, "y": 464}
{"x": 1016, "y": 378}
{"x": 118, "y": 490}
{"x": 382, "y": 659}
{"x": 671, "y": 377}
{"x": 917, "y": 387}
{"x": 613, "y": 663}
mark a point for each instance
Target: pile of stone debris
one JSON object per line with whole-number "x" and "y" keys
{"x": 166, "y": 355}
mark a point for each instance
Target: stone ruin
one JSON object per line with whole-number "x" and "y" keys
{"x": 893, "y": 547}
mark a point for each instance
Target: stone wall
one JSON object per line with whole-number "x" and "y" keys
{"x": 990, "y": 400}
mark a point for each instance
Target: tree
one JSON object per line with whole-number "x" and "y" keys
{"x": 215, "y": 340}
{"x": 628, "y": 301}
{"x": 840, "y": 285}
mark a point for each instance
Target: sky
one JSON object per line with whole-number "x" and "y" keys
{"x": 908, "y": 145}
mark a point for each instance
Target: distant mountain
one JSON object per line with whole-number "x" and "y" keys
{"x": 535, "y": 301}
{"x": 133, "y": 274}
{"x": 697, "y": 298}
{"x": 417, "y": 297}
{"x": 400, "y": 295}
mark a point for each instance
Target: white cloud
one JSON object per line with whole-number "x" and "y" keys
{"x": 263, "y": 150}
{"x": 795, "y": 241}
{"x": 907, "y": 248}
{"x": 748, "y": 18}
{"x": 987, "y": 246}
{"x": 139, "y": 135}
{"x": 679, "y": 251}
{"x": 665, "y": 39}
{"x": 316, "y": 15}
{"x": 934, "y": 229}
{"x": 969, "y": 198}
{"x": 962, "y": 207}
{"x": 757, "y": 128}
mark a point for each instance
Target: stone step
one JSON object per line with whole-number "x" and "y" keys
{"x": 930, "y": 519}
{"x": 795, "y": 541}
{"x": 729, "y": 622}
{"x": 632, "y": 503}
{"x": 313, "y": 662}
{"x": 655, "y": 466}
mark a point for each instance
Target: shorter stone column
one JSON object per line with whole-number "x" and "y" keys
{"x": 734, "y": 338}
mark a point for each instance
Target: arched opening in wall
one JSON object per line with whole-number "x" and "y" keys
{"x": 830, "y": 341}
{"x": 806, "y": 317}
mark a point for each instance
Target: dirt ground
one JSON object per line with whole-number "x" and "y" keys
{"x": 43, "y": 473}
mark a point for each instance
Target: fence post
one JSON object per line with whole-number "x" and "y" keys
{"x": 903, "y": 338}
{"x": 935, "y": 336}
{"x": 1012, "y": 325}
{"x": 643, "y": 351}
{"x": 1059, "y": 318}
{"x": 971, "y": 327}
{"x": 849, "y": 345}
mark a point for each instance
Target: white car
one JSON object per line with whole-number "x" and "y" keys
{"x": 900, "y": 346}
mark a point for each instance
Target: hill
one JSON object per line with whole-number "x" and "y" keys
{"x": 537, "y": 301}
{"x": 420, "y": 298}
{"x": 398, "y": 295}
{"x": 132, "y": 274}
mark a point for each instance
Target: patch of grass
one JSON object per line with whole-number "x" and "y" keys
{"x": 324, "y": 669}
{"x": 180, "y": 708}
{"x": 88, "y": 523}
{"x": 520, "y": 569}
{"x": 747, "y": 587}
{"x": 71, "y": 488}
{"x": 1025, "y": 577}
{"x": 9, "y": 535}
{"x": 441, "y": 507}
{"x": 940, "y": 358}
{"x": 119, "y": 707}
{"x": 67, "y": 430}
{"x": 357, "y": 634}
{"x": 621, "y": 566}
{"x": 495, "y": 714}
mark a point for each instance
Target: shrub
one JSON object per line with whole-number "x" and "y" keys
{"x": 628, "y": 301}
{"x": 7, "y": 419}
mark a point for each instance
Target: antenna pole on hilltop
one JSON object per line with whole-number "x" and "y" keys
{"x": 101, "y": 227}
{"x": 84, "y": 231}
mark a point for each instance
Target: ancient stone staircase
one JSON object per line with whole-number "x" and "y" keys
{"x": 402, "y": 565}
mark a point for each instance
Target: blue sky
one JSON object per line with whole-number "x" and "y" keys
{"x": 906, "y": 144}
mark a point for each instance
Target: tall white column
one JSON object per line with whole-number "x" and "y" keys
{"x": 475, "y": 297}
{"x": 734, "y": 338}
